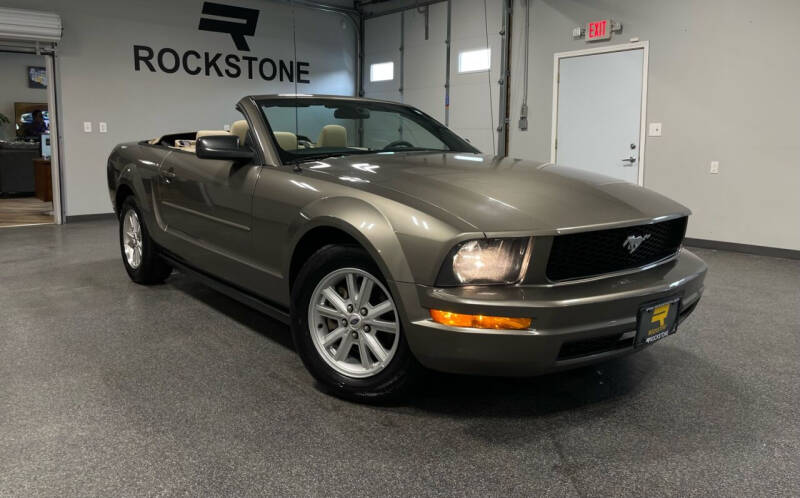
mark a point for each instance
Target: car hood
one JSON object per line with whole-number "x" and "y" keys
{"x": 497, "y": 195}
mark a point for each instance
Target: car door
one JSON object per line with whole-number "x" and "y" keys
{"x": 207, "y": 203}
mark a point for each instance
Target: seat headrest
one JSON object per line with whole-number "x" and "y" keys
{"x": 286, "y": 140}
{"x": 240, "y": 129}
{"x": 332, "y": 136}
{"x": 211, "y": 133}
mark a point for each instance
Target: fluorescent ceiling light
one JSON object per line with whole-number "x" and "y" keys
{"x": 381, "y": 71}
{"x": 473, "y": 61}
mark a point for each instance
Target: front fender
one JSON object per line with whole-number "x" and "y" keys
{"x": 362, "y": 221}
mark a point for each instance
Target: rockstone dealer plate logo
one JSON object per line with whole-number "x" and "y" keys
{"x": 238, "y": 22}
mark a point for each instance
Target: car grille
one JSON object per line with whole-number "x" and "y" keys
{"x": 587, "y": 254}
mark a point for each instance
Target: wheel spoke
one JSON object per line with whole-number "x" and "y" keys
{"x": 329, "y": 312}
{"x": 332, "y": 337}
{"x": 343, "y": 348}
{"x": 366, "y": 362}
{"x": 382, "y": 325}
{"x": 335, "y": 299}
{"x": 364, "y": 292}
{"x": 351, "y": 287}
{"x": 379, "y": 309}
{"x": 375, "y": 346}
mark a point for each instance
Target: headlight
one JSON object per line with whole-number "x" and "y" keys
{"x": 486, "y": 261}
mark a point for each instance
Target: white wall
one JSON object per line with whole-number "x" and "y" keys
{"x": 722, "y": 80}
{"x": 98, "y": 81}
{"x": 14, "y": 86}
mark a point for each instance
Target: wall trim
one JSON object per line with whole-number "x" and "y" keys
{"x": 90, "y": 217}
{"x": 775, "y": 252}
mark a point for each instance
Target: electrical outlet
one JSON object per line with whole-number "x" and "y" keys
{"x": 714, "y": 168}
{"x": 227, "y": 127}
{"x": 87, "y": 126}
{"x": 103, "y": 127}
{"x": 654, "y": 130}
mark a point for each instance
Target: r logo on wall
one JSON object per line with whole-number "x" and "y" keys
{"x": 238, "y": 22}
{"x": 237, "y": 29}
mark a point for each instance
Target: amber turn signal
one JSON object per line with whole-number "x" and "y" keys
{"x": 480, "y": 321}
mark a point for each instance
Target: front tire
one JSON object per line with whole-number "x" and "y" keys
{"x": 346, "y": 327}
{"x": 139, "y": 252}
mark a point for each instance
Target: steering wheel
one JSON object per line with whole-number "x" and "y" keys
{"x": 399, "y": 143}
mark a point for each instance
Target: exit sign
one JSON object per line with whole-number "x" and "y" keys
{"x": 598, "y": 30}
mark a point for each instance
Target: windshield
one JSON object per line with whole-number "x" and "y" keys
{"x": 307, "y": 129}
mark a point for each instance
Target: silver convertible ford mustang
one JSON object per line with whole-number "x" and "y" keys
{"x": 389, "y": 244}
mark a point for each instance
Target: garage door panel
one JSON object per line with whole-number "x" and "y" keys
{"x": 392, "y": 97}
{"x": 467, "y": 17}
{"x": 429, "y": 100}
{"x": 424, "y": 67}
{"x": 470, "y": 107}
{"x": 382, "y": 34}
{"x": 415, "y": 25}
{"x": 479, "y": 138}
{"x": 390, "y": 87}
{"x": 382, "y": 44}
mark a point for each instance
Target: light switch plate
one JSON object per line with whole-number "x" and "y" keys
{"x": 654, "y": 130}
{"x": 87, "y": 126}
{"x": 714, "y": 168}
{"x": 102, "y": 127}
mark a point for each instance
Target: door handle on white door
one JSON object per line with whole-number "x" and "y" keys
{"x": 629, "y": 160}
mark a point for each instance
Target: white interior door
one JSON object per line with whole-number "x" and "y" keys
{"x": 599, "y": 112}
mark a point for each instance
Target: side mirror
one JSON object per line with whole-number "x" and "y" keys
{"x": 225, "y": 147}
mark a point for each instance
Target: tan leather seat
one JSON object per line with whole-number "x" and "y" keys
{"x": 240, "y": 129}
{"x": 211, "y": 133}
{"x": 332, "y": 136}
{"x": 286, "y": 140}
{"x": 187, "y": 145}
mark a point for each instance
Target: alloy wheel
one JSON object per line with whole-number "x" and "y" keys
{"x": 132, "y": 239}
{"x": 353, "y": 323}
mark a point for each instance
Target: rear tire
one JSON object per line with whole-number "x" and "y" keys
{"x": 139, "y": 252}
{"x": 350, "y": 348}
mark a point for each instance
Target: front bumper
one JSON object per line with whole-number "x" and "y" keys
{"x": 574, "y": 324}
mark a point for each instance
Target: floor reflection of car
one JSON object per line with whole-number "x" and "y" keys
{"x": 391, "y": 245}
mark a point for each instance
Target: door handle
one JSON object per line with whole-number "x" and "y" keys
{"x": 167, "y": 175}
{"x": 629, "y": 160}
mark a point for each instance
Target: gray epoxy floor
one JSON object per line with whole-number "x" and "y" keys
{"x": 112, "y": 389}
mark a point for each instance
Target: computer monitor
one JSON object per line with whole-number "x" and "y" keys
{"x": 46, "y": 145}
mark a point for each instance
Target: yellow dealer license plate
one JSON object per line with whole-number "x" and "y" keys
{"x": 657, "y": 321}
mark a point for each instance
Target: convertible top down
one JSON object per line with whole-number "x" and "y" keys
{"x": 390, "y": 244}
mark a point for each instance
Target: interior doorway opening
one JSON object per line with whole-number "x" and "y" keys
{"x": 29, "y": 184}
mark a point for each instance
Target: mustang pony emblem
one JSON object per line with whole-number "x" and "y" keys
{"x": 634, "y": 241}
